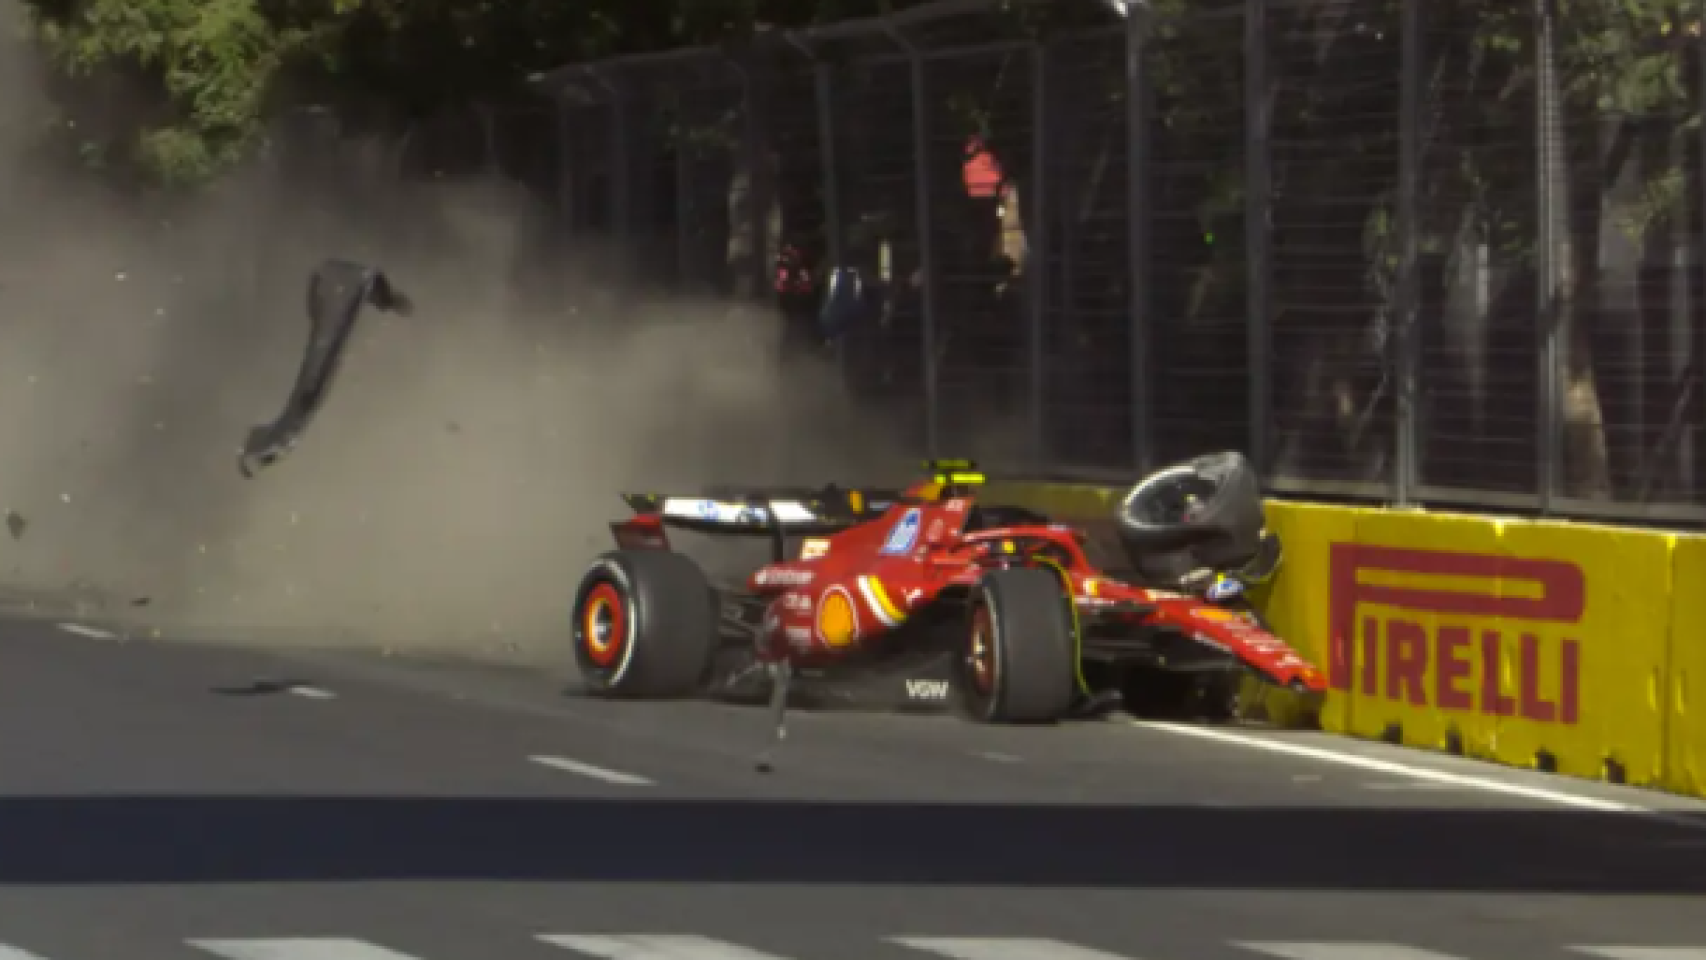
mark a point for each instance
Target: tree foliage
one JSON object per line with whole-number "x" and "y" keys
{"x": 196, "y": 73}
{"x": 200, "y": 77}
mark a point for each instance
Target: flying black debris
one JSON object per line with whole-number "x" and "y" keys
{"x": 336, "y": 293}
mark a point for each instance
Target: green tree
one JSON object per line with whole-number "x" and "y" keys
{"x": 183, "y": 81}
{"x": 199, "y": 78}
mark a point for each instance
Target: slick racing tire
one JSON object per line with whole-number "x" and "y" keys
{"x": 645, "y": 626}
{"x": 1018, "y": 664}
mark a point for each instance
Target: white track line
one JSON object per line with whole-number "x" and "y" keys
{"x": 1644, "y": 953}
{"x": 312, "y": 693}
{"x": 588, "y": 770}
{"x": 1342, "y": 951}
{"x": 298, "y": 948}
{"x": 1484, "y": 784}
{"x": 83, "y": 631}
{"x": 13, "y": 953}
{"x": 1002, "y": 948}
{"x": 653, "y": 947}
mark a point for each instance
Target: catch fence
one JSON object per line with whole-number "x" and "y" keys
{"x": 1441, "y": 251}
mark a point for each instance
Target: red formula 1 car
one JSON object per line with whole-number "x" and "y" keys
{"x": 925, "y": 597}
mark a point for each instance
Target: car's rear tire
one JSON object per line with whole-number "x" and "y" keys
{"x": 1018, "y": 664}
{"x": 645, "y": 625}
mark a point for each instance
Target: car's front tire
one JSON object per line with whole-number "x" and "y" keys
{"x": 645, "y": 625}
{"x": 1019, "y": 662}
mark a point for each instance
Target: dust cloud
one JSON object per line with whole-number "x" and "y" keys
{"x": 466, "y": 464}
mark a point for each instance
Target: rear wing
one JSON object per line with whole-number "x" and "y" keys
{"x": 775, "y": 513}
{"x": 780, "y": 512}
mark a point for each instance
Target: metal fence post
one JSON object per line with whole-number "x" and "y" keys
{"x": 1697, "y": 248}
{"x": 685, "y": 207}
{"x": 621, "y": 199}
{"x": 823, "y": 83}
{"x": 759, "y": 185}
{"x": 1258, "y": 118}
{"x": 1037, "y": 254}
{"x": 1137, "y": 232}
{"x": 926, "y": 243}
{"x": 1548, "y": 424}
{"x": 566, "y": 170}
{"x": 1408, "y": 312}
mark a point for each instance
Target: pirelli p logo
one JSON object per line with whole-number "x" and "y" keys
{"x": 1382, "y": 646}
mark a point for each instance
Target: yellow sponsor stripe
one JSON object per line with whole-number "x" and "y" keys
{"x": 881, "y": 598}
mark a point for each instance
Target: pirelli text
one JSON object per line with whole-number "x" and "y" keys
{"x": 1457, "y": 631}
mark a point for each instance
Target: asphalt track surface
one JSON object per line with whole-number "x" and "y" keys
{"x": 163, "y": 801}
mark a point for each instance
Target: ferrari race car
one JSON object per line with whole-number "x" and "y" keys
{"x": 927, "y": 598}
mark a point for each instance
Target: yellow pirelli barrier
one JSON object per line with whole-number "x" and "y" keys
{"x": 1537, "y": 644}
{"x": 1685, "y": 698}
{"x": 1306, "y": 532}
{"x": 1543, "y": 644}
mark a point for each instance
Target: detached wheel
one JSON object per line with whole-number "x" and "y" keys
{"x": 645, "y": 625}
{"x": 1018, "y": 664}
